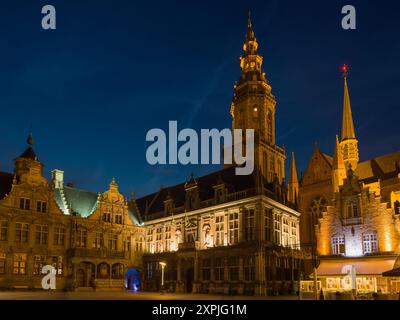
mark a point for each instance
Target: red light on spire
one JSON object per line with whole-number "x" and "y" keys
{"x": 345, "y": 69}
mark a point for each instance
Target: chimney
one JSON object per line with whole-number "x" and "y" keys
{"x": 57, "y": 179}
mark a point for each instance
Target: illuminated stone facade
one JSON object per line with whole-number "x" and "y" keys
{"x": 91, "y": 239}
{"x": 224, "y": 233}
{"x": 351, "y": 211}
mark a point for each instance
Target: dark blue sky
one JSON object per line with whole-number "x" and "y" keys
{"x": 115, "y": 69}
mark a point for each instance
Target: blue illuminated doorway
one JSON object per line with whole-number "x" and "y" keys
{"x": 132, "y": 279}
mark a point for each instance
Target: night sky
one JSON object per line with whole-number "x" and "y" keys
{"x": 115, "y": 69}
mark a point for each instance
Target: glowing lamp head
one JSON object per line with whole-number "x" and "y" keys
{"x": 163, "y": 264}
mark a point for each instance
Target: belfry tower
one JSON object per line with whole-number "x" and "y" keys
{"x": 348, "y": 143}
{"x": 253, "y": 107}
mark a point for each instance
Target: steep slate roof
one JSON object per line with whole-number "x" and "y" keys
{"x": 80, "y": 201}
{"x": 6, "y": 180}
{"x": 29, "y": 153}
{"x": 383, "y": 167}
{"x": 235, "y": 183}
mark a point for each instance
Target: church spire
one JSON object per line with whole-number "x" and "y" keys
{"x": 293, "y": 186}
{"x": 347, "y": 120}
{"x": 338, "y": 167}
{"x": 349, "y": 143}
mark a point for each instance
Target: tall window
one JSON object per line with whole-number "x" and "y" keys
{"x": 268, "y": 224}
{"x": 81, "y": 238}
{"x": 272, "y": 168}
{"x": 206, "y": 269}
{"x": 59, "y": 236}
{"x": 3, "y": 230}
{"x": 233, "y": 228}
{"x": 168, "y": 238}
{"x": 41, "y": 234}
{"x": 269, "y": 127}
{"x": 338, "y": 245}
{"x": 127, "y": 244}
{"x": 293, "y": 227}
{"x": 370, "y": 242}
{"x": 139, "y": 244}
{"x": 113, "y": 242}
{"x": 41, "y": 206}
{"x": 159, "y": 245}
{"x": 118, "y": 218}
{"x": 219, "y": 230}
{"x": 19, "y": 265}
{"x": 233, "y": 268}
{"x": 249, "y": 268}
{"x": 38, "y": 263}
{"x": 285, "y": 231}
{"x": 149, "y": 241}
{"x": 219, "y": 269}
{"x": 106, "y": 217}
{"x": 21, "y": 232}
{"x": 24, "y": 204}
{"x": 2, "y": 263}
{"x": 277, "y": 229}
{"x": 98, "y": 240}
{"x": 250, "y": 233}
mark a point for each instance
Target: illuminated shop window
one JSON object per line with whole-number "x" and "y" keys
{"x": 19, "y": 265}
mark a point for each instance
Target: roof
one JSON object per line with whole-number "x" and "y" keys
{"x": 235, "y": 183}
{"x": 81, "y": 202}
{"x": 6, "y": 180}
{"x": 29, "y": 153}
{"x": 382, "y": 167}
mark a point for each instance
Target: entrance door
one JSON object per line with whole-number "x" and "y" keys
{"x": 189, "y": 280}
{"x": 81, "y": 278}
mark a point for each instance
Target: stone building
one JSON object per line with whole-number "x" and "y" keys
{"x": 351, "y": 210}
{"x": 90, "y": 239}
{"x": 224, "y": 233}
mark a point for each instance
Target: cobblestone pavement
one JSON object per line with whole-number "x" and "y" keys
{"x": 124, "y": 295}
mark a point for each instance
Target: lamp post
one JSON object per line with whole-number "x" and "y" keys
{"x": 162, "y": 264}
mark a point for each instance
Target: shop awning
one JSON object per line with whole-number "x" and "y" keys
{"x": 392, "y": 273}
{"x": 363, "y": 266}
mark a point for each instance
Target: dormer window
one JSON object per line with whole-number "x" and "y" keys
{"x": 352, "y": 208}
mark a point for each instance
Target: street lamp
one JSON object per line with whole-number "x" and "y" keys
{"x": 162, "y": 264}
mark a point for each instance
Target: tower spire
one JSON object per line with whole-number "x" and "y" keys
{"x": 293, "y": 185}
{"x": 348, "y": 143}
{"x": 347, "y": 120}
